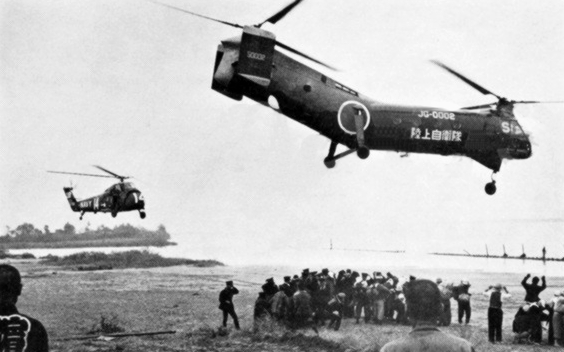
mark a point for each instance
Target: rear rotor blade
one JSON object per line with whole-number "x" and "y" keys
{"x": 75, "y": 173}
{"x": 280, "y": 14}
{"x": 198, "y": 15}
{"x": 290, "y": 49}
{"x": 466, "y": 80}
{"x": 111, "y": 173}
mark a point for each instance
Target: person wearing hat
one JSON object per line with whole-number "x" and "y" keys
{"x": 495, "y": 313}
{"x": 226, "y": 303}
{"x": 20, "y": 331}
{"x": 269, "y": 288}
{"x": 424, "y": 302}
{"x": 287, "y": 286}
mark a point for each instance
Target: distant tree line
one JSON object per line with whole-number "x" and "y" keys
{"x": 28, "y": 234}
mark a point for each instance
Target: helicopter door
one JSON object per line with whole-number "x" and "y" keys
{"x": 256, "y": 55}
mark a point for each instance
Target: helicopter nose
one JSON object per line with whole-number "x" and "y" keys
{"x": 521, "y": 149}
{"x": 134, "y": 200}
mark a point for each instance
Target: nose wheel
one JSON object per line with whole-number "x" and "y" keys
{"x": 490, "y": 187}
{"x": 142, "y": 214}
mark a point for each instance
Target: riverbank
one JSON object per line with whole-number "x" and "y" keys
{"x": 184, "y": 299}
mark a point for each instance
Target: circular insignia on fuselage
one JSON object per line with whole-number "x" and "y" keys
{"x": 346, "y": 114}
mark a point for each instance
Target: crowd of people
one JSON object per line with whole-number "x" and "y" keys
{"x": 313, "y": 299}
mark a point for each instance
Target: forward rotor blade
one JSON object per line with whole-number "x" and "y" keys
{"x": 538, "y": 102}
{"x": 466, "y": 80}
{"x": 290, "y": 49}
{"x": 280, "y": 14}
{"x": 478, "y": 107}
{"x": 111, "y": 173}
{"x": 75, "y": 173}
{"x": 198, "y": 15}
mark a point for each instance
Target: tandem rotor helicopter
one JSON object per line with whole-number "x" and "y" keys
{"x": 120, "y": 197}
{"x": 252, "y": 65}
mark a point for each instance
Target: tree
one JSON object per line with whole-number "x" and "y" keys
{"x": 69, "y": 229}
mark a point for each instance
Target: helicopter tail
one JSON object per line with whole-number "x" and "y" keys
{"x": 70, "y": 197}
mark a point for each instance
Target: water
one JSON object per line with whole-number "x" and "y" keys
{"x": 296, "y": 259}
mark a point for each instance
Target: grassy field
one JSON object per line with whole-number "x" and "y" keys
{"x": 185, "y": 299}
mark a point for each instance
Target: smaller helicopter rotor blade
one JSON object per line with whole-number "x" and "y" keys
{"x": 292, "y": 50}
{"x": 76, "y": 173}
{"x": 111, "y": 173}
{"x": 466, "y": 80}
{"x": 198, "y": 15}
{"x": 280, "y": 14}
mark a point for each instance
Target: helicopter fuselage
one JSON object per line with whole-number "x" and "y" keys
{"x": 250, "y": 66}
{"x": 118, "y": 198}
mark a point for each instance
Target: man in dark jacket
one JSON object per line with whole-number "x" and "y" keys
{"x": 533, "y": 290}
{"x": 18, "y": 332}
{"x": 226, "y": 303}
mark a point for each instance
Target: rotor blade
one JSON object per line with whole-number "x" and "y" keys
{"x": 75, "y": 173}
{"x": 111, "y": 173}
{"x": 538, "y": 102}
{"x": 478, "y": 107}
{"x": 280, "y": 14}
{"x": 466, "y": 80}
{"x": 290, "y": 49}
{"x": 198, "y": 15}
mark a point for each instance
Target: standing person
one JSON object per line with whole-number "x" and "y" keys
{"x": 261, "y": 311}
{"x": 361, "y": 301}
{"x": 18, "y": 332}
{"x": 424, "y": 301}
{"x": 446, "y": 295}
{"x": 301, "y": 305}
{"x": 463, "y": 298}
{"x": 380, "y": 294}
{"x": 226, "y": 303}
{"x": 558, "y": 319}
{"x": 495, "y": 313}
{"x": 533, "y": 290}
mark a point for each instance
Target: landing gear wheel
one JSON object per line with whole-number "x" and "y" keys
{"x": 329, "y": 163}
{"x": 363, "y": 152}
{"x": 490, "y": 188}
{"x": 114, "y": 214}
{"x": 142, "y": 214}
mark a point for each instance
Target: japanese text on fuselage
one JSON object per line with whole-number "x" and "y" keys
{"x": 436, "y": 135}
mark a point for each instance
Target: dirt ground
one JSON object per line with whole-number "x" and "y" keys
{"x": 185, "y": 299}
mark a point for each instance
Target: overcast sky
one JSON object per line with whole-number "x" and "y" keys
{"x": 126, "y": 85}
